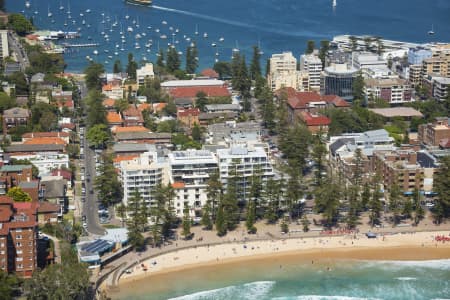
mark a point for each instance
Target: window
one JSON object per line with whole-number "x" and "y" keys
{"x": 19, "y": 258}
{"x": 19, "y": 244}
{"x": 19, "y": 237}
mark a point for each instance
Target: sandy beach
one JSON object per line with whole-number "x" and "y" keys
{"x": 400, "y": 246}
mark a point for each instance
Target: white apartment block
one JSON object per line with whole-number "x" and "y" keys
{"x": 144, "y": 73}
{"x": 283, "y": 71}
{"x": 45, "y": 162}
{"x": 365, "y": 60}
{"x": 115, "y": 92}
{"x": 244, "y": 161}
{"x": 144, "y": 174}
{"x": 312, "y": 64}
{"x": 4, "y": 46}
{"x": 189, "y": 174}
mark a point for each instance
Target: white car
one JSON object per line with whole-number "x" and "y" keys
{"x": 84, "y": 225}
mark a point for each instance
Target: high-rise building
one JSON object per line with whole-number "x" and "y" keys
{"x": 242, "y": 162}
{"x": 283, "y": 71}
{"x": 189, "y": 173}
{"x": 4, "y": 46}
{"x": 418, "y": 54}
{"x": 338, "y": 80}
{"x": 144, "y": 73}
{"x": 312, "y": 64}
{"x": 415, "y": 75}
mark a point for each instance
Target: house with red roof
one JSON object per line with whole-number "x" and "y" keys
{"x": 114, "y": 119}
{"x": 132, "y": 117}
{"x": 210, "y": 73}
{"x": 309, "y": 101}
{"x": 188, "y": 117}
{"x": 316, "y": 123}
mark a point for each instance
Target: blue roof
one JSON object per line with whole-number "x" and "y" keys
{"x": 97, "y": 246}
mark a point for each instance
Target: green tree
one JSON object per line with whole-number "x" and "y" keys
{"x": 395, "y": 203}
{"x": 191, "y": 58}
{"x": 201, "y": 100}
{"x": 186, "y": 225}
{"x": 318, "y": 153}
{"x": 107, "y": 184}
{"x": 272, "y": 194}
{"x": 358, "y": 170}
{"x": 268, "y": 109}
{"x": 131, "y": 67}
{"x": 214, "y": 190}
{"x": 255, "y": 66}
{"x": 324, "y": 47}
{"x": 19, "y": 79}
{"x": 121, "y": 211}
{"x": 441, "y": 184}
{"x": 93, "y": 74}
{"x": 43, "y": 116}
{"x": 305, "y": 224}
{"x": 358, "y": 87}
{"x": 375, "y": 205}
{"x": 68, "y": 280}
{"x": 251, "y": 217}
{"x": 310, "y": 45}
{"x": 173, "y": 60}
{"x": 117, "y": 68}
{"x": 137, "y": 220}
{"x": 221, "y": 226}
{"x": 284, "y": 225}
{"x": 19, "y": 24}
{"x": 96, "y": 112}
{"x": 294, "y": 142}
{"x": 353, "y": 43}
{"x": 196, "y": 133}
{"x": 18, "y": 195}
{"x": 223, "y": 69}
{"x": 365, "y": 196}
{"x": 98, "y": 135}
{"x": 9, "y": 284}
{"x": 327, "y": 201}
{"x": 206, "y": 216}
{"x": 160, "y": 62}
{"x": 6, "y": 102}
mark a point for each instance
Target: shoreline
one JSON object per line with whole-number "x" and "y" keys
{"x": 349, "y": 247}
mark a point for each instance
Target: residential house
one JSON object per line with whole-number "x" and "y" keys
{"x": 113, "y": 91}
{"x": 316, "y": 123}
{"x": 54, "y": 191}
{"x": 114, "y": 119}
{"x": 14, "y": 174}
{"x": 432, "y": 134}
{"x": 48, "y": 212}
{"x": 61, "y": 135}
{"x": 31, "y": 188}
{"x": 15, "y": 117}
{"x": 188, "y": 117}
{"x": 132, "y": 117}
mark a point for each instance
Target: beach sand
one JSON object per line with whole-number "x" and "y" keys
{"x": 410, "y": 246}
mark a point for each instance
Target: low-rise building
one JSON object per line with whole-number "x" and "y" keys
{"x": 45, "y": 162}
{"x": 15, "y": 117}
{"x": 113, "y": 91}
{"x": 132, "y": 117}
{"x": 316, "y": 124}
{"x": 144, "y": 74}
{"x": 392, "y": 90}
{"x": 188, "y": 117}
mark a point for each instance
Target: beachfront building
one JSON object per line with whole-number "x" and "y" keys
{"x": 391, "y": 90}
{"x": 338, "y": 80}
{"x": 242, "y": 162}
{"x": 406, "y": 167}
{"x": 416, "y": 55}
{"x": 439, "y": 63}
{"x": 441, "y": 86}
{"x": 143, "y": 173}
{"x": 190, "y": 171}
{"x": 312, "y": 65}
{"x": 415, "y": 75}
{"x": 144, "y": 74}
{"x": 365, "y": 60}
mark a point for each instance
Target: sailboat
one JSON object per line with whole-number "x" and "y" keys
{"x": 431, "y": 32}
{"x": 27, "y": 4}
{"x": 334, "y": 3}
{"x": 61, "y": 7}
{"x": 196, "y": 29}
{"x": 49, "y": 13}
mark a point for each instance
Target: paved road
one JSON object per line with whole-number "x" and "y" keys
{"x": 90, "y": 206}
{"x": 17, "y": 48}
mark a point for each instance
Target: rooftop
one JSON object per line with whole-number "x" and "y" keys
{"x": 191, "y": 83}
{"x": 397, "y": 112}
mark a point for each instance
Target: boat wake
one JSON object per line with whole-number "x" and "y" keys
{"x": 320, "y": 297}
{"x": 238, "y": 23}
{"x": 252, "y": 290}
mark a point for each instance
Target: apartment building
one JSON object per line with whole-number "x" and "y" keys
{"x": 312, "y": 65}
{"x": 441, "y": 86}
{"x": 143, "y": 173}
{"x": 415, "y": 75}
{"x": 113, "y": 91}
{"x": 432, "y": 134}
{"x": 392, "y": 90}
{"x": 4, "y": 47}
{"x": 365, "y": 60}
{"x": 145, "y": 73}
{"x": 243, "y": 162}
{"x": 18, "y": 232}
{"x": 45, "y": 162}
{"x": 283, "y": 71}
{"x": 190, "y": 171}
{"x": 338, "y": 80}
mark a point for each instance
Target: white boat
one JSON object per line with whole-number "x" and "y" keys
{"x": 213, "y": 44}
{"x": 61, "y": 7}
{"x": 49, "y": 13}
{"x": 164, "y": 22}
{"x": 221, "y": 39}
{"x": 130, "y": 29}
{"x": 88, "y": 10}
{"x": 196, "y": 30}
{"x": 334, "y": 3}
{"x": 163, "y": 36}
{"x": 95, "y": 52}
{"x": 431, "y": 32}
{"x": 27, "y": 4}
{"x": 205, "y": 35}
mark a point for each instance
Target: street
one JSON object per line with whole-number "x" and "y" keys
{"x": 17, "y": 48}
{"x": 90, "y": 206}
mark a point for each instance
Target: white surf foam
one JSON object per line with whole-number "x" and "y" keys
{"x": 323, "y": 297}
{"x": 250, "y": 291}
{"x": 439, "y": 264}
{"x": 406, "y": 278}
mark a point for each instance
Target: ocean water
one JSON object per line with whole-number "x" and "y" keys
{"x": 277, "y": 280}
{"x": 274, "y": 25}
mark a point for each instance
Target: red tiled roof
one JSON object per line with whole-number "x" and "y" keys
{"x": 68, "y": 126}
{"x": 48, "y": 207}
{"x": 299, "y": 100}
{"x": 124, "y": 158}
{"x": 45, "y": 141}
{"x": 132, "y": 112}
{"x": 45, "y": 135}
{"x": 314, "y": 120}
{"x": 157, "y": 107}
{"x": 65, "y": 103}
{"x": 178, "y": 185}
{"x": 5, "y": 213}
{"x": 113, "y": 117}
{"x": 144, "y": 106}
{"x": 191, "y": 92}
{"x": 64, "y": 173}
{"x": 188, "y": 112}
{"x": 109, "y": 102}
{"x": 23, "y": 205}
{"x": 210, "y": 73}
{"x": 6, "y": 200}
{"x": 336, "y": 100}
{"x": 131, "y": 129}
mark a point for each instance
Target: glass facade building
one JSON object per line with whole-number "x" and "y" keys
{"x": 338, "y": 80}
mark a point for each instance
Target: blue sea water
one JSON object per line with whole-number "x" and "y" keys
{"x": 338, "y": 280}
{"x": 274, "y": 25}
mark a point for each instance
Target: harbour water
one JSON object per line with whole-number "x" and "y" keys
{"x": 281, "y": 279}
{"x": 274, "y": 25}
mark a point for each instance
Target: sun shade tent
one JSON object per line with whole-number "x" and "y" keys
{"x": 371, "y": 235}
